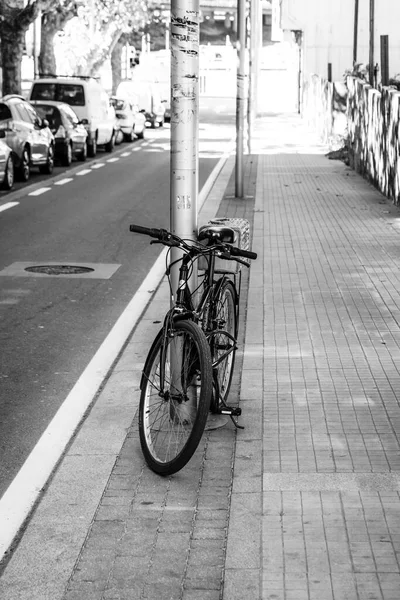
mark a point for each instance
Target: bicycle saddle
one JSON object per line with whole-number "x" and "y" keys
{"x": 216, "y": 233}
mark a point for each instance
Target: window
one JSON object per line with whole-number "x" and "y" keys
{"x": 44, "y": 91}
{"x": 5, "y": 112}
{"x": 32, "y": 114}
{"x": 51, "y": 113}
{"x": 71, "y": 94}
{"x": 69, "y": 117}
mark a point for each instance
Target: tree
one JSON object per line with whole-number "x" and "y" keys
{"x": 98, "y": 34}
{"x": 53, "y": 21}
{"x": 15, "y": 19}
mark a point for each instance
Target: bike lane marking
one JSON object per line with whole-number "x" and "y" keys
{"x": 39, "y": 191}
{"x": 8, "y": 205}
{"x": 64, "y": 181}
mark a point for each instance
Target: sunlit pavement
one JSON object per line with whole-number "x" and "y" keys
{"x": 304, "y": 502}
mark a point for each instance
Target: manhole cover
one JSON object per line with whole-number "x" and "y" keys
{"x": 59, "y": 269}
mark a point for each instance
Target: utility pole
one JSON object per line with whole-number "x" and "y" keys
{"x": 252, "y": 102}
{"x": 371, "y": 40}
{"x": 240, "y": 96}
{"x": 184, "y": 45}
{"x": 355, "y": 36}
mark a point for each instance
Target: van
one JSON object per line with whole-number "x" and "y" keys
{"x": 146, "y": 97}
{"x": 90, "y": 102}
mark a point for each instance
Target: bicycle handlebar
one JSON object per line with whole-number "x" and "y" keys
{"x": 152, "y": 232}
{"x": 244, "y": 253}
{"x": 170, "y": 239}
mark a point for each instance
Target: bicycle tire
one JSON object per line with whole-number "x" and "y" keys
{"x": 222, "y": 340}
{"x": 170, "y": 428}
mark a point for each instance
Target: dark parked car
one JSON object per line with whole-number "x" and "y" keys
{"x": 28, "y": 136}
{"x": 69, "y": 134}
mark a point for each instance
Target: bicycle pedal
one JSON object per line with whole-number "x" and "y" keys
{"x": 231, "y": 411}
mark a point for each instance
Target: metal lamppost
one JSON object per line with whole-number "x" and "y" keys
{"x": 240, "y": 96}
{"x": 184, "y": 46}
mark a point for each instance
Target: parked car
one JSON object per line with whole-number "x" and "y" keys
{"x": 28, "y": 136}
{"x": 130, "y": 120}
{"x": 69, "y": 134}
{"x": 6, "y": 164}
{"x": 146, "y": 97}
{"x": 90, "y": 102}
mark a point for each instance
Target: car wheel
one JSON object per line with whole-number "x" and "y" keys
{"x": 92, "y": 148}
{"x": 109, "y": 147}
{"x": 24, "y": 169}
{"x": 8, "y": 180}
{"x": 161, "y": 123}
{"x": 141, "y": 134}
{"x": 83, "y": 155}
{"x": 47, "y": 169}
{"x": 67, "y": 157}
{"x": 129, "y": 137}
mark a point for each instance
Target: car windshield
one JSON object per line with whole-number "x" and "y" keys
{"x": 70, "y": 114}
{"x": 51, "y": 113}
{"x": 70, "y": 93}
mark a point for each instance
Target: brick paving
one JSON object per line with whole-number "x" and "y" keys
{"x": 322, "y": 378}
{"x": 304, "y": 503}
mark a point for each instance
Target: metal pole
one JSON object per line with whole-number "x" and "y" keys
{"x": 240, "y": 97}
{"x": 385, "y": 59}
{"x": 252, "y": 108}
{"x": 355, "y": 36}
{"x": 371, "y": 40}
{"x": 184, "y": 45}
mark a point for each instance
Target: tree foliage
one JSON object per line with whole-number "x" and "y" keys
{"x": 88, "y": 32}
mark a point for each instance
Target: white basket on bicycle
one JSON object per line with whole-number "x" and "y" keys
{"x": 241, "y": 228}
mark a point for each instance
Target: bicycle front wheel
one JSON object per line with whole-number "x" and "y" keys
{"x": 175, "y": 397}
{"x": 222, "y": 340}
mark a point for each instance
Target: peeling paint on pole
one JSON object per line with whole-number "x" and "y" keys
{"x": 184, "y": 46}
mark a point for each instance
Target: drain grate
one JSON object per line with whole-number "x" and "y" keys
{"x": 59, "y": 269}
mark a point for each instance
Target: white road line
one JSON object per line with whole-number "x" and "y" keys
{"x": 98, "y": 165}
{"x": 126, "y": 154}
{"x": 136, "y": 149}
{"x": 39, "y": 191}
{"x": 8, "y": 205}
{"x": 21, "y": 495}
{"x": 63, "y": 181}
{"x": 84, "y": 172}
{"x": 111, "y": 160}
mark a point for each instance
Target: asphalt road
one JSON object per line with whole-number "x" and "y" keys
{"x": 51, "y": 326}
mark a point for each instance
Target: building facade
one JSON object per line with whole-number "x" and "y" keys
{"x": 328, "y": 33}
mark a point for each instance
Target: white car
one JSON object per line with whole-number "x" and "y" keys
{"x": 89, "y": 101}
{"x": 131, "y": 121}
{"x": 6, "y": 164}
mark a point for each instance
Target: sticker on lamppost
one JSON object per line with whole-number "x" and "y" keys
{"x": 183, "y": 202}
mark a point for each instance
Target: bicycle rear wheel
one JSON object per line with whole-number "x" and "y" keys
{"x": 222, "y": 340}
{"x": 175, "y": 397}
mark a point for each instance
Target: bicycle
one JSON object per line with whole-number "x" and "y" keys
{"x": 189, "y": 367}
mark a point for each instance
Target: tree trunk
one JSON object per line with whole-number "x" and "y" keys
{"x": 52, "y": 23}
{"x": 12, "y": 48}
{"x": 116, "y": 61}
{"x": 47, "y": 59}
{"x": 15, "y": 19}
{"x": 97, "y": 58}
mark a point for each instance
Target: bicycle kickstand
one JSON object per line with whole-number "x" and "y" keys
{"x": 232, "y": 412}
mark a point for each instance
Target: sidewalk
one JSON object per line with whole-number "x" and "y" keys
{"x": 303, "y": 504}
